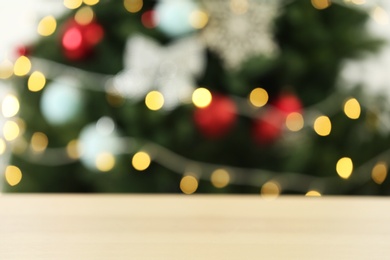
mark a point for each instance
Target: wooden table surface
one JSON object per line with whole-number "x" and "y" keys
{"x": 192, "y": 227}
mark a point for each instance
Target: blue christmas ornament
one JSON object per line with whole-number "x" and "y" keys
{"x": 173, "y": 17}
{"x": 97, "y": 139}
{"x": 61, "y": 101}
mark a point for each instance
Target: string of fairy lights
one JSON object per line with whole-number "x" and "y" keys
{"x": 315, "y": 118}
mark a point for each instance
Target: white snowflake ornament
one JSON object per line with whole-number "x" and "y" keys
{"x": 171, "y": 69}
{"x": 240, "y": 29}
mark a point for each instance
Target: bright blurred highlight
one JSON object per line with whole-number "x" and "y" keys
{"x": 379, "y": 173}
{"x": 352, "y": 108}
{"x": 22, "y": 66}
{"x": 220, "y": 178}
{"x": 313, "y": 193}
{"x": 84, "y": 15}
{"x": 11, "y": 130}
{"x": 36, "y": 81}
{"x": 270, "y": 190}
{"x": 10, "y": 106}
{"x": 201, "y": 97}
{"x": 39, "y": 142}
{"x": 322, "y": 126}
{"x": 105, "y": 162}
{"x": 344, "y": 167}
{"x": 91, "y": 2}
{"x": 154, "y": 100}
{"x": 6, "y": 69}
{"x": 258, "y": 97}
{"x": 188, "y": 184}
{"x": 294, "y": 122}
{"x": 13, "y": 175}
{"x": 321, "y": 4}
{"x": 198, "y": 19}
{"x": 133, "y": 6}
{"x": 141, "y": 161}
{"x": 47, "y": 26}
{"x": 72, "y": 39}
{"x": 380, "y": 16}
{"x": 3, "y": 146}
{"x": 72, "y": 149}
{"x": 72, "y": 4}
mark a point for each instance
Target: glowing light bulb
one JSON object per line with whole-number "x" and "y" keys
{"x": 133, "y": 6}
{"x": 72, "y": 4}
{"x": 321, "y": 4}
{"x": 322, "y": 126}
{"x": 270, "y": 190}
{"x": 13, "y": 175}
{"x": 198, "y": 19}
{"x": 379, "y": 172}
{"x": 294, "y": 122}
{"x": 91, "y": 2}
{"x": 313, "y": 193}
{"x": 344, "y": 167}
{"x": 39, "y": 142}
{"x": 84, "y": 15}
{"x": 220, "y": 178}
{"x": 258, "y": 97}
{"x": 154, "y": 100}
{"x": 201, "y": 97}
{"x": 22, "y": 66}
{"x": 11, "y": 130}
{"x": 141, "y": 161}
{"x": 188, "y": 184}
{"x": 10, "y": 106}
{"x": 352, "y": 108}
{"x": 47, "y": 26}
{"x": 36, "y": 81}
{"x": 105, "y": 162}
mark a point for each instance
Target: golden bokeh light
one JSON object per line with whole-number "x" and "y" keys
{"x": 258, "y": 97}
{"x": 3, "y": 146}
{"x": 321, "y": 4}
{"x": 22, "y": 66}
{"x": 344, "y": 167}
{"x": 11, "y": 130}
{"x": 73, "y": 4}
{"x": 72, "y": 149}
{"x": 313, "y": 193}
{"x": 6, "y": 69}
{"x": 380, "y": 15}
{"x": 105, "y": 162}
{"x": 198, "y": 19}
{"x": 322, "y": 126}
{"x": 154, "y": 100}
{"x": 36, "y": 81}
{"x": 188, "y": 184}
{"x": 294, "y": 122}
{"x": 201, "y": 97}
{"x": 133, "y": 6}
{"x": 91, "y": 2}
{"x": 220, "y": 178}
{"x": 13, "y": 175}
{"x": 270, "y": 190}
{"x": 352, "y": 108}
{"x": 379, "y": 172}
{"x": 141, "y": 161}
{"x": 47, "y": 26}
{"x": 39, "y": 142}
{"x": 10, "y": 106}
{"x": 239, "y": 6}
{"x": 84, "y": 15}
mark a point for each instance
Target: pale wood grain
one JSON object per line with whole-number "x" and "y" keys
{"x": 192, "y": 227}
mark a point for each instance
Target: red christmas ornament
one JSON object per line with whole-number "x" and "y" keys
{"x": 288, "y": 103}
{"x": 216, "y": 119}
{"x": 269, "y": 127}
{"x": 79, "y": 40}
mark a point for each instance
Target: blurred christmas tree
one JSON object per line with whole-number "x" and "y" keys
{"x": 220, "y": 96}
